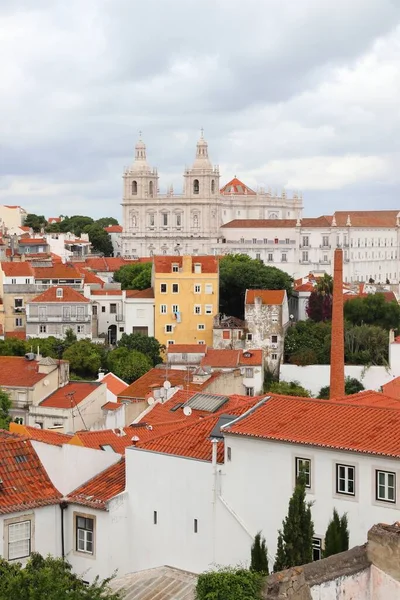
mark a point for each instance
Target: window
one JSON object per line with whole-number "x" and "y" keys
{"x": 94, "y": 310}
{"x": 196, "y": 186}
{"x": 169, "y": 328}
{"x": 175, "y": 268}
{"x": 209, "y": 288}
{"x": 84, "y": 534}
{"x": 249, "y": 391}
{"x": 304, "y": 256}
{"x": 163, "y": 288}
{"x": 274, "y": 357}
{"x": 18, "y": 302}
{"x": 195, "y": 525}
{"x": 27, "y": 280}
{"x": 197, "y": 309}
{"x": 155, "y": 517}
{"x": 254, "y": 240}
{"x": 258, "y": 255}
{"x": 134, "y": 188}
{"x": 325, "y": 240}
{"x": 248, "y": 372}
{"x": 317, "y": 548}
{"x": 201, "y": 327}
{"x": 270, "y": 257}
{"x": 80, "y": 329}
{"x": 165, "y": 219}
{"x": 209, "y": 309}
{"x": 345, "y": 479}
{"x": 303, "y": 465}
{"x": 229, "y": 453}
{"x": 305, "y": 241}
{"x": 386, "y": 486}
{"x": 197, "y": 288}
{"x": 18, "y": 322}
{"x": 113, "y": 309}
{"x": 178, "y": 220}
{"x": 274, "y": 339}
{"x": 175, "y": 308}
{"x": 212, "y": 186}
{"x": 287, "y": 241}
{"x": 163, "y": 309}
{"x": 19, "y": 539}
{"x": 226, "y": 335}
{"x": 122, "y": 329}
{"x": 103, "y": 309}
{"x": 175, "y": 288}
{"x": 284, "y": 257}
{"x": 151, "y": 189}
{"x": 170, "y": 342}
{"x": 59, "y": 293}
{"x": 249, "y": 337}
{"x": 197, "y": 268}
{"x": 200, "y": 341}
{"x": 13, "y": 280}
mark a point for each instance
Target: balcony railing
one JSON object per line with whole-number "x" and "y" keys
{"x": 57, "y": 319}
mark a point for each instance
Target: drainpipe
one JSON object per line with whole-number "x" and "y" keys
{"x": 63, "y": 507}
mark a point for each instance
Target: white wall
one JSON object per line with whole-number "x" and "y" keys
{"x": 69, "y": 466}
{"x": 139, "y": 313}
{"x": 357, "y": 586}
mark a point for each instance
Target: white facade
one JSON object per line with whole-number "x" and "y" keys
{"x": 307, "y": 245}
{"x": 189, "y": 223}
{"x": 12, "y": 216}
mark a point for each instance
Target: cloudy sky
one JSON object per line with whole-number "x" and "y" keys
{"x": 301, "y": 94}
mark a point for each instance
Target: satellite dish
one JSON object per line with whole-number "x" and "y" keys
{"x": 150, "y": 401}
{"x": 167, "y": 385}
{"x": 187, "y": 411}
{"x": 46, "y": 382}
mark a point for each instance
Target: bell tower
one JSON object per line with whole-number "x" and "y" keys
{"x": 202, "y": 180}
{"x": 141, "y": 182}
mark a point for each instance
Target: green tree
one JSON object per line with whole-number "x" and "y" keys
{"x": 259, "y": 555}
{"x": 35, "y": 221}
{"x": 366, "y": 345}
{"x": 99, "y": 238}
{"x": 12, "y": 347}
{"x": 84, "y": 357}
{"x": 5, "y": 406}
{"x": 229, "y": 584}
{"x": 106, "y": 221}
{"x": 308, "y": 342}
{"x": 129, "y": 365}
{"x": 136, "y": 276}
{"x": 351, "y": 386}
{"x": 337, "y": 535}
{"x": 319, "y": 306}
{"x": 50, "y": 578}
{"x": 144, "y": 344}
{"x": 295, "y": 547}
{"x": 373, "y": 309}
{"x": 238, "y": 272}
{"x": 288, "y": 388}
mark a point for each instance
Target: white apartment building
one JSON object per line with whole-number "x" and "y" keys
{"x": 370, "y": 242}
{"x": 188, "y": 223}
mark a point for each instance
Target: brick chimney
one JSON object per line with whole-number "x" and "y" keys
{"x": 337, "y": 342}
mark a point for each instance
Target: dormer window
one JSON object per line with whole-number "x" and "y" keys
{"x": 197, "y": 268}
{"x": 59, "y": 293}
{"x": 196, "y": 186}
{"x": 175, "y": 268}
{"x": 134, "y": 188}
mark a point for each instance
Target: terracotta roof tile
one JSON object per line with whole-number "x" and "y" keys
{"x": 147, "y": 293}
{"x": 103, "y": 437}
{"x": 69, "y": 296}
{"x": 57, "y": 271}
{"x": 71, "y": 394}
{"x": 389, "y": 296}
{"x": 17, "y": 269}
{"x": 17, "y": 371}
{"x": 331, "y": 424}
{"x": 235, "y": 186}
{"x": 114, "y": 383}
{"x": 96, "y": 492}
{"x": 25, "y": 483}
{"x": 187, "y": 349}
{"x": 20, "y": 334}
{"x": 255, "y": 358}
{"x": 114, "y": 229}
{"x": 112, "y": 406}
{"x": 163, "y": 264}
{"x": 392, "y": 388}
{"x": 54, "y": 220}
{"x": 106, "y": 292}
{"x": 106, "y": 263}
{"x": 41, "y": 435}
{"x": 367, "y": 218}
{"x": 221, "y": 358}
{"x": 33, "y": 241}
{"x": 269, "y": 297}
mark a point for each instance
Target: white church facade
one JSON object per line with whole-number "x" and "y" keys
{"x": 189, "y": 223}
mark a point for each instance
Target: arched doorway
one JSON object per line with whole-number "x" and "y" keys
{"x": 112, "y": 335}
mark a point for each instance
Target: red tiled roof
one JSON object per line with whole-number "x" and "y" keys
{"x": 187, "y": 349}
{"x": 106, "y": 292}
{"x": 54, "y": 220}
{"x": 25, "y": 483}
{"x": 147, "y": 293}
{"x": 235, "y": 186}
{"x": 71, "y": 394}
{"x": 25, "y": 228}
{"x": 389, "y": 296}
{"x": 16, "y": 371}
{"x": 112, "y": 406}
{"x": 96, "y": 492}
{"x": 304, "y": 287}
{"x": 106, "y": 263}
{"x": 114, "y": 383}
{"x": 114, "y": 229}
{"x": 367, "y": 218}
{"x": 392, "y": 388}
{"x": 89, "y": 276}
{"x": 370, "y": 398}
{"x": 255, "y": 359}
{"x": 193, "y": 439}
{"x": 221, "y": 358}
{"x": 269, "y": 297}
{"x": 155, "y": 378}
{"x": 20, "y": 335}
{"x": 41, "y": 435}
{"x": 69, "y": 295}
{"x": 57, "y": 271}
{"x": 17, "y": 269}
{"x": 102, "y": 437}
{"x": 330, "y": 424}
{"x": 163, "y": 264}
{"x": 34, "y": 241}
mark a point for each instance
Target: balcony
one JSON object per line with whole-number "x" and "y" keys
{"x": 19, "y": 310}
{"x": 58, "y": 319}
{"x": 325, "y": 246}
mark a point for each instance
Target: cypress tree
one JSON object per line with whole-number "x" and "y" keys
{"x": 337, "y": 535}
{"x": 259, "y": 555}
{"x": 295, "y": 539}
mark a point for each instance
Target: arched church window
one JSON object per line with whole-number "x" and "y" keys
{"x": 196, "y": 186}
{"x": 195, "y": 220}
{"x": 151, "y": 189}
{"x": 134, "y": 188}
{"x": 212, "y": 186}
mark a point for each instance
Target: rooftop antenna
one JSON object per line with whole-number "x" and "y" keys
{"x": 71, "y": 395}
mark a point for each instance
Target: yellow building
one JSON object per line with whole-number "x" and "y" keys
{"x": 186, "y": 293}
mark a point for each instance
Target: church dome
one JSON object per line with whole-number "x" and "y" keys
{"x": 140, "y": 163}
{"x": 202, "y": 161}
